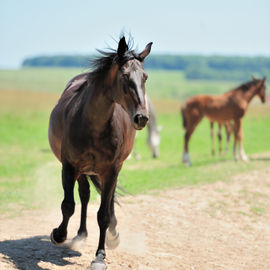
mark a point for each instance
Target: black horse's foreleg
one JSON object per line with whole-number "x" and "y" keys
{"x": 104, "y": 218}
{"x": 112, "y": 236}
{"x": 113, "y": 220}
{"x": 59, "y": 234}
{"x": 84, "y": 192}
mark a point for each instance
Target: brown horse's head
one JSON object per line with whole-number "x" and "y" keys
{"x": 260, "y": 88}
{"x": 128, "y": 78}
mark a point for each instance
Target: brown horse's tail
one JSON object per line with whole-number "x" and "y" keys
{"x": 184, "y": 119}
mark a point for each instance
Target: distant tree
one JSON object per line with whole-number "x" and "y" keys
{"x": 57, "y": 61}
{"x": 195, "y": 67}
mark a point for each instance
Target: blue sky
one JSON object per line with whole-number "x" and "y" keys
{"x": 35, "y": 27}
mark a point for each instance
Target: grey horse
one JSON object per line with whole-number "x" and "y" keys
{"x": 153, "y": 133}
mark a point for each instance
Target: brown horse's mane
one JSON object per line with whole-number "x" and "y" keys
{"x": 246, "y": 86}
{"x": 101, "y": 64}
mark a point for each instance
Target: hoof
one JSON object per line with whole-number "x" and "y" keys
{"x": 137, "y": 156}
{"x": 112, "y": 241}
{"x": 187, "y": 163}
{"x": 80, "y": 236}
{"x": 186, "y": 159}
{"x": 244, "y": 158}
{"x": 56, "y": 239}
{"x": 98, "y": 265}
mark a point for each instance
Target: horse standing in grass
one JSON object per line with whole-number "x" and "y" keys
{"x": 231, "y": 105}
{"x": 153, "y": 137}
{"x": 92, "y": 130}
{"x": 153, "y": 133}
{"x": 228, "y": 128}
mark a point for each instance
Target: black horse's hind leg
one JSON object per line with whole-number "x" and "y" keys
{"x": 104, "y": 218}
{"x": 84, "y": 192}
{"x": 59, "y": 234}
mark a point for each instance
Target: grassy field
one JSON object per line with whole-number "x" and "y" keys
{"x": 30, "y": 174}
{"x": 162, "y": 84}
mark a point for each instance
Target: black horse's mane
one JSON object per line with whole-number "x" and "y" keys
{"x": 102, "y": 63}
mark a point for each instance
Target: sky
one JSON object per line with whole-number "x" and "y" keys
{"x": 210, "y": 27}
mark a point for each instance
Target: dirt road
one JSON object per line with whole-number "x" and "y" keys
{"x": 216, "y": 226}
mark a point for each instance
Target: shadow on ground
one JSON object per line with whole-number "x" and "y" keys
{"x": 27, "y": 253}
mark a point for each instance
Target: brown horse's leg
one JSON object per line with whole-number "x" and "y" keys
{"x": 104, "y": 217}
{"x": 220, "y": 138}
{"x": 228, "y": 129}
{"x": 186, "y": 159}
{"x": 190, "y": 127}
{"x": 212, "y": 132}
{"x": 236, "y": 138}
{"x": 84, "y": 192}
{"x": 59, "y": 234}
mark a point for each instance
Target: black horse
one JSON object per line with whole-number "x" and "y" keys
{"x": 92, "y": 130}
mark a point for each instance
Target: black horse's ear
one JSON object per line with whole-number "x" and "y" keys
{"x": 122, "y": 47}
{"x": 146, "y": 51}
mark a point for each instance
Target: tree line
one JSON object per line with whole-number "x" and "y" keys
{"x": 195, "y": 67}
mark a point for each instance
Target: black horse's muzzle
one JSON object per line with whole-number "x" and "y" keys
{"x": 140, "y": 121}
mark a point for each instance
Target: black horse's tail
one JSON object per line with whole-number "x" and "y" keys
{"x": 120, "y": 191}
{"x": 184, "y": 119}
{"x": 96, "y": 183}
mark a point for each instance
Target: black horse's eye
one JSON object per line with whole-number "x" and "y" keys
{"x": 125, "y": 78}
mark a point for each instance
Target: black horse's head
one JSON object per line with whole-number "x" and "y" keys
{"x": 127, "y": 78}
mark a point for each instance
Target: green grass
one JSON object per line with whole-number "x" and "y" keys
{"x": 30, "y": 176}
{"x": 167, "y": 171}
{"x": 40, "y": 79}
{"x": 162, "y": 84}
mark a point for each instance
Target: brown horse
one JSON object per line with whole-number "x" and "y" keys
{"x": 228, "y": 125}
{"x": 231, "y": 105}
{"x": 92, "y": 130}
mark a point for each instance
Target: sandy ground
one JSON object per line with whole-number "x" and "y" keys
{"x": 214, "y": 226}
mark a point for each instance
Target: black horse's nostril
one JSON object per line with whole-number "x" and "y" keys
{"x": 140, "y": 120}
